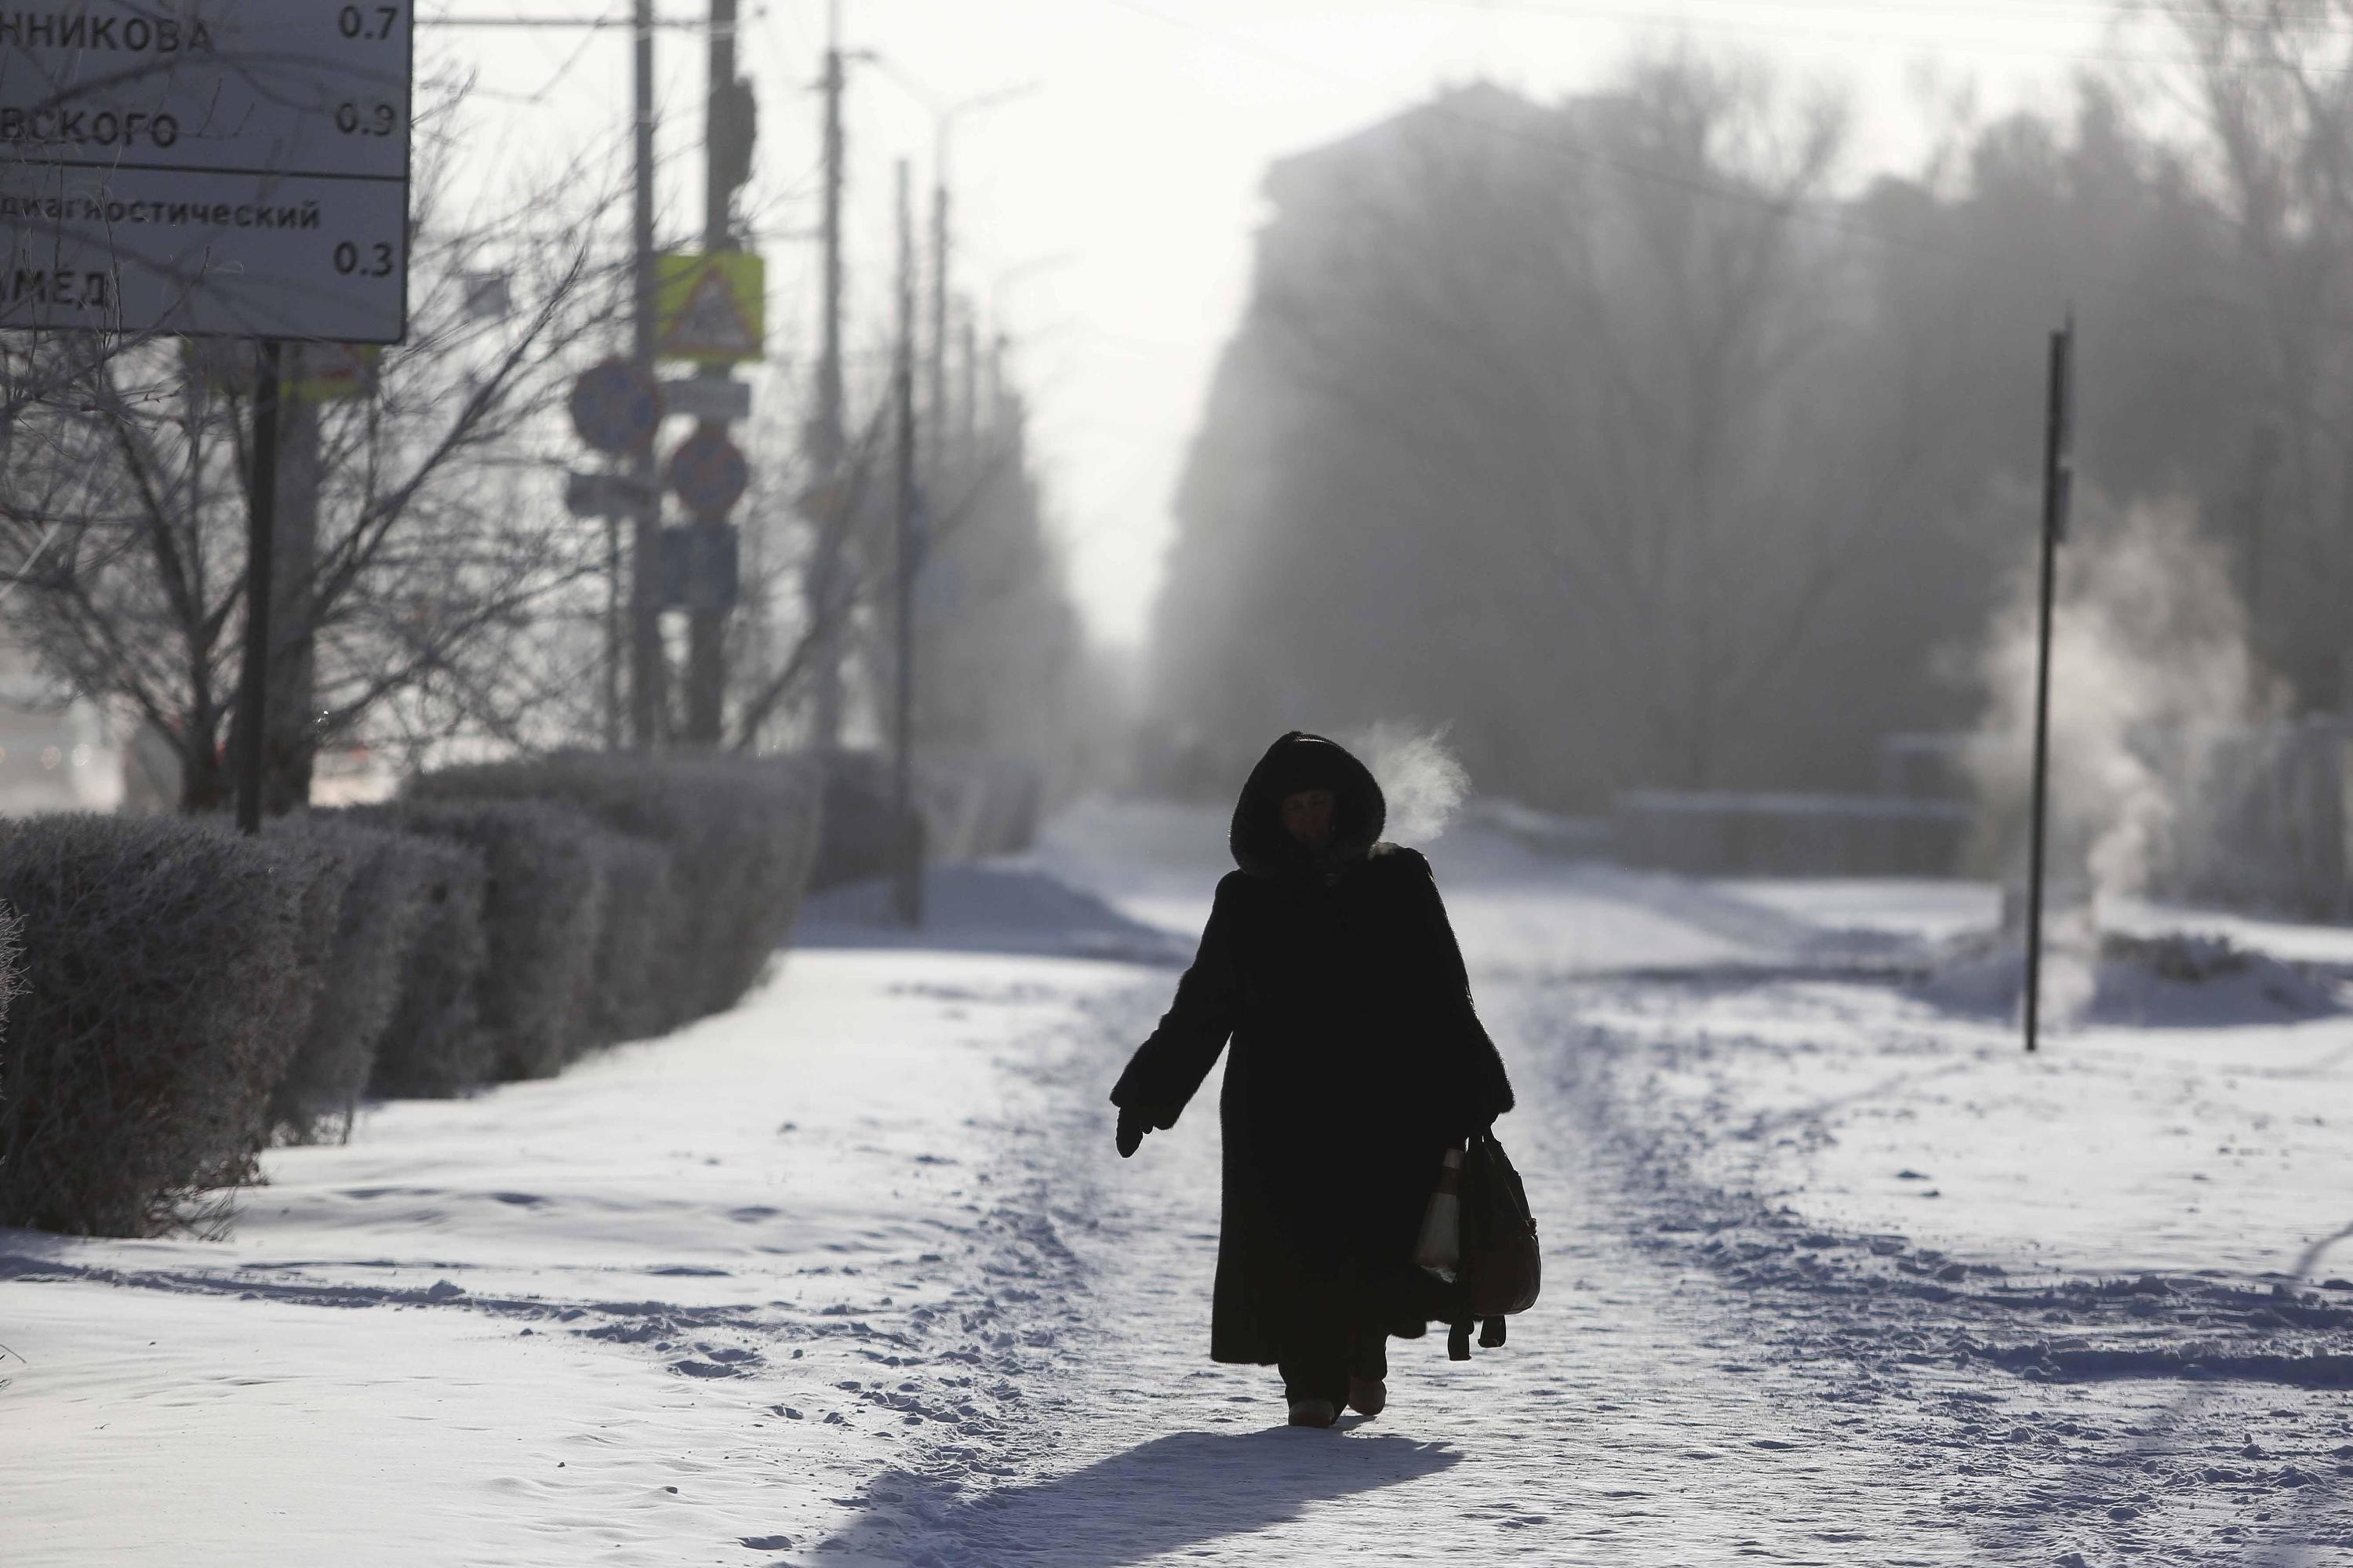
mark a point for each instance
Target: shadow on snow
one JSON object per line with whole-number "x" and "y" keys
{"x": 988, "y": 909}
{"x": 1163, "y": 1496}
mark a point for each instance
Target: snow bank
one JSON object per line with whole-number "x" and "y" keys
{"x": 2167, "y": 981}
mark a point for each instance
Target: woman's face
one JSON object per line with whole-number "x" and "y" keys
{"x": 1308, "y": 816}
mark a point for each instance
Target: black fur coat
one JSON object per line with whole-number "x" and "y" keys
{"x": 1357, "y": 1061}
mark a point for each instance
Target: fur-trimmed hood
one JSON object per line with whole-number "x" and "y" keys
{"x": 1263, "y": 846}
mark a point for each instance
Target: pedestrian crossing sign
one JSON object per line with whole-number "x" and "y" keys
{"x": 711, "y": 308}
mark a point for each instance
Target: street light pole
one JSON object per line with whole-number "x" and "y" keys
{"x": 944, "y": 120}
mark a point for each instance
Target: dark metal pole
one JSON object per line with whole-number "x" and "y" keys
{"x": 612, "y": 633}
{"x": 647, "y": 663}
{"x": 2056, "y": 479}
{"x": 937, "y": 349}
{"x": 825, "y": 586}
{"x": 706, "y": 629}
{"x": 828, "y": 437}
{"x": 253, "y": 694}
{"x": 969, "y": 399}
{"x": 907, "y": 863}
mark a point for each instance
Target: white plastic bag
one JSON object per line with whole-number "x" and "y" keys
{"x": 1440, "y": 1246}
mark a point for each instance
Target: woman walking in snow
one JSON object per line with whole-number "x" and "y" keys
{"x": 1358, "y": 1062}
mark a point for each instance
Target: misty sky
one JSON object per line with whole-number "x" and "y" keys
{"x": 1106, "y": 217}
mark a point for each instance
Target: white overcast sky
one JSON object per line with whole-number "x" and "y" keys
{"x": 1106, "y": 219}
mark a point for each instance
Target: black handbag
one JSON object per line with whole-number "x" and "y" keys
{"x": 1501, "y": 1268}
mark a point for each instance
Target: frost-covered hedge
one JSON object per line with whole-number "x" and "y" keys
{"x": 966, "y": 807}
{"x": 634, "y": 993}
{"x": 189, "y": 993}
{"x": 359, "y": 980}
{"x": 542, "y": 909}
{"x": 740, "y": 831}
{"x": 434, "y": 1044}
{"x": 12, "y": 967}
{"x": 860, "y": 822}
{"x": 323, "y": 868}
{"x": 163, "y": 992}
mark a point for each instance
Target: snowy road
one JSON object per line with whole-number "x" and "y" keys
{"x": 1623, "y": 1424}
{"x": 853, "y": 1276}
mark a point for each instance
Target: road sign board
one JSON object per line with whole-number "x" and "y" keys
{"x": 699, "y": 567}
{"x": 490, "y": 296}
{"x": 711, "y": 309}
{"x": 707, "y": 397}
{"x": 615, "y": 406}
{"x": 708, "y": 473}
{"x": 315, "y": 371}
{"x": 604, "y": 495}
{"x": 210, "y": 167}
{"x": 333, "y": 371}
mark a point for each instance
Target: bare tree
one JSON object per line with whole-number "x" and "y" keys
{"x": 422, "y": 558}
{"x": 1530, "y": 391}
{"x": 2271, "y": 89}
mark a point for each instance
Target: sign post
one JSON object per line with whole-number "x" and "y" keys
{"x": 217, "y": 168}
{"x": 711, "y": 312}
{"x": 617, "y": 407}
{"x": 252, "y": 690}
{"x": 2058, "y": 478}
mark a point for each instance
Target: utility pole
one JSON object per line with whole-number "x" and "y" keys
{"x": 726, "y": 149}
{"x": 822, "y": 587}
{"x": 2058, "y": 476}
{"x": 937, "y": 401}
{"x": 907, "y": 863}
{"x": 647, "y": 663}
{"x": 995, "y": 421}
{"x": 968, "y": 403}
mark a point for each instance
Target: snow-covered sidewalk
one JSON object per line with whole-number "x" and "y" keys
{"x": 651, "y": 1310}
{"x": 852, "y": 1274}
